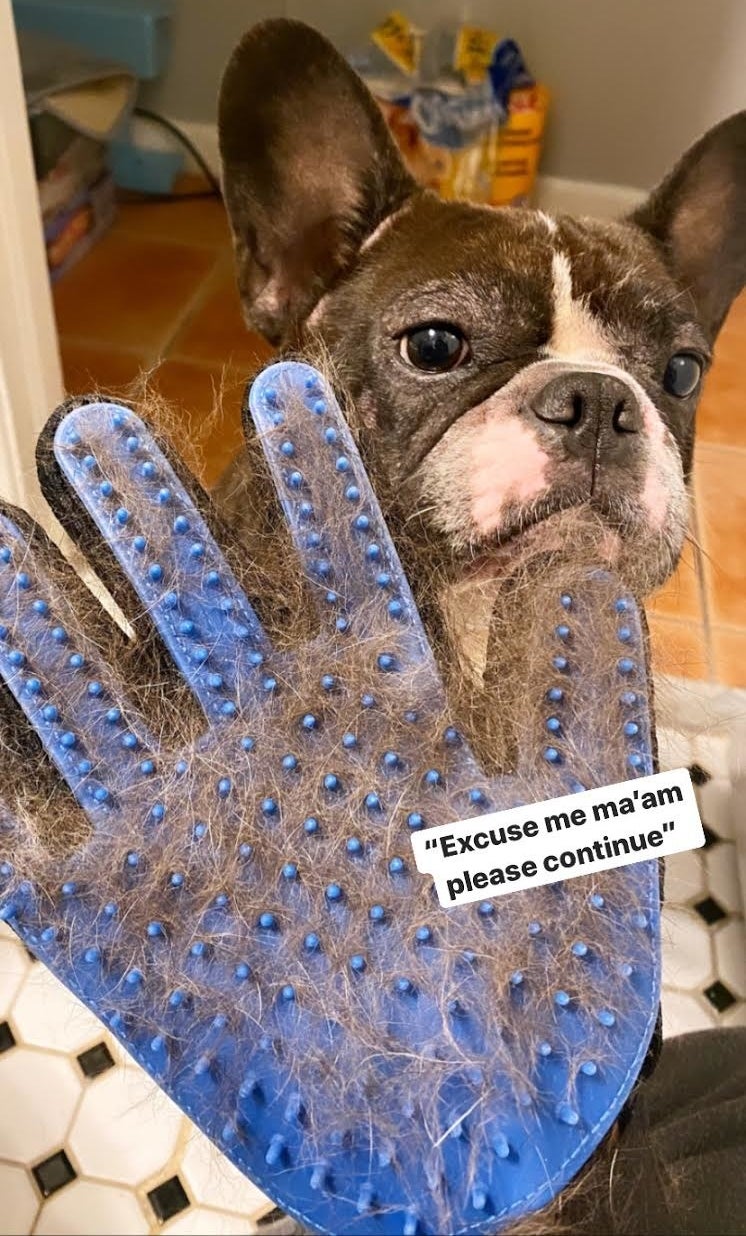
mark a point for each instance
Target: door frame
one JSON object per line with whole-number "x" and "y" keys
{"x": 31, "y": 382}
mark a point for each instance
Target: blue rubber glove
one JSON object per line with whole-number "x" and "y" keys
{"x": 245, "y": 914}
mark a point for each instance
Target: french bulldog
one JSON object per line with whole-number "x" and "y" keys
{"x": 513, "y": 378}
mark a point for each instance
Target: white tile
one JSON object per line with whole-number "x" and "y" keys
{"x": 215, "y": 1181}
{"x": 48, "y": 1015}
{"x": 685, "y": 877}
{"x": 683, "y": 1012}
{"x": 14, "y": 966}
{"x": 730, "y": 954}
{"x": 674, "y": 749}
{"x": 39, "y": 1093}
{"x": 126, "y": 1128}
{"x": 735, "y": 1015}
{"x": 687, "y": 954}
{"x": 20, "y": 1201}
{"x": 718, "y": 806}
{"x": 7, "y": 934}
{"x": 713, "y": 752}
{"x": 199, "y": 1221}
{"x": 721, "y": 862}
{"x": 86, "y": 1208}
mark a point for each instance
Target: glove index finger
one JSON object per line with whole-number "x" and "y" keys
{"x": 333, "y": 514}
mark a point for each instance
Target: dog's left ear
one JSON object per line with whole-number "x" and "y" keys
{"x": 698, "y": 217}
{"x": 309, "y": 170}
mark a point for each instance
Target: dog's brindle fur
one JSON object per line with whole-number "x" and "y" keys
{"x": 558, "y": 405}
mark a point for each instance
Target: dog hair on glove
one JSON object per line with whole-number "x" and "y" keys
{"x": 206, "y": 829}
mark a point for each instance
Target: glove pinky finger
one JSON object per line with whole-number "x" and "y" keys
{"x": 55, "y": 672}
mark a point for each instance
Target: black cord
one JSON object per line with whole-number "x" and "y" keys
{"x": 207, "y": 172}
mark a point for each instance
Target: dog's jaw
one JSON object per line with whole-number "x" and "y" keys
{"x": 490, "y": 477}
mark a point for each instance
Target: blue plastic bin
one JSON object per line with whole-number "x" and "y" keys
{"x": 133, "y": 32}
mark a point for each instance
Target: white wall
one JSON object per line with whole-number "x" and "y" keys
{"x": 633, "y": 81}
{"x": 30, "y": 373}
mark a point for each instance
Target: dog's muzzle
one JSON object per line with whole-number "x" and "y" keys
{"x": 594, "y": 415}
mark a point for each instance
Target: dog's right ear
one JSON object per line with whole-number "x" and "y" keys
{"x": 698, "y": 217}
{"x": 309, "y": 170}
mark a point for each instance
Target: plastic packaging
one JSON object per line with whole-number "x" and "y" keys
{"x": 462, "y": 106}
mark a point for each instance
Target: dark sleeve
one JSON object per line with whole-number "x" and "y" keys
{"x": 680, "y": 1166}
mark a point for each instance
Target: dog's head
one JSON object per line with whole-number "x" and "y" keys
{"x": 503, "y": 365}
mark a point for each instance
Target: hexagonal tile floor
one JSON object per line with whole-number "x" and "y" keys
{"x": 89, "y": 1145}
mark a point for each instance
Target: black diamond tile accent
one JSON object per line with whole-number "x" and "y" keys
{"x": 96, "y": 1060}
{"x": 699, "y": 775}
{"x": 710, "y": 910}
{"x": 7, "y": 1039}
{"x": 168, "y": 1199}
{"x": 720, "y": 996}
{"x": 711, "y": 838}
{"x": 53, "y": 1173}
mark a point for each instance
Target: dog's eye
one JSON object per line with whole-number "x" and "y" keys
{"x": 434, "y": 347}
{"x": 683, "y": 375}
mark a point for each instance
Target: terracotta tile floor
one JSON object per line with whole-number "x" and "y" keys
{"x": 157, "y": 294}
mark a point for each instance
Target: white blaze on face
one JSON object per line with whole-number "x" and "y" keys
{"x": 577, "y": 335}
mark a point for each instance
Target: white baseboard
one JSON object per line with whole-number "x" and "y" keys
{"x": 202, "y": 134}
{"x": 555, "y": 194}
{"x": 560, "y": 196}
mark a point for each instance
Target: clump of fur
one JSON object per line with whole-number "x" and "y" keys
{"x": 351, "y": 1042}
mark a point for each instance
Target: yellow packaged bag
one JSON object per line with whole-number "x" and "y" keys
{"x": 514, "y": 149}
{"x": 463, "y": 109}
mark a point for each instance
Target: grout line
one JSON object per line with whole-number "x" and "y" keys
{"x": 682, "y": 622}
{"x": 142, "y": 354}
{"x": 203, "y": 246}
{"x": 191, "y": 305}
{"x": 102, "y": 345}
{"x": 39, "y": 1210}
{"x": 704, "y": 600}
{"x": 26, "y": 1169}
{"x": 170, "y": 1166}
{"x": 721, "y": 447}
{"x": 248, "y": 1217}
{"x": 152, "y": 353}
{"x": 707, "y": 569}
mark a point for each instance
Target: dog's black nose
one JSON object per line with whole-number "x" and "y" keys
{"x": 589, "y": 401}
